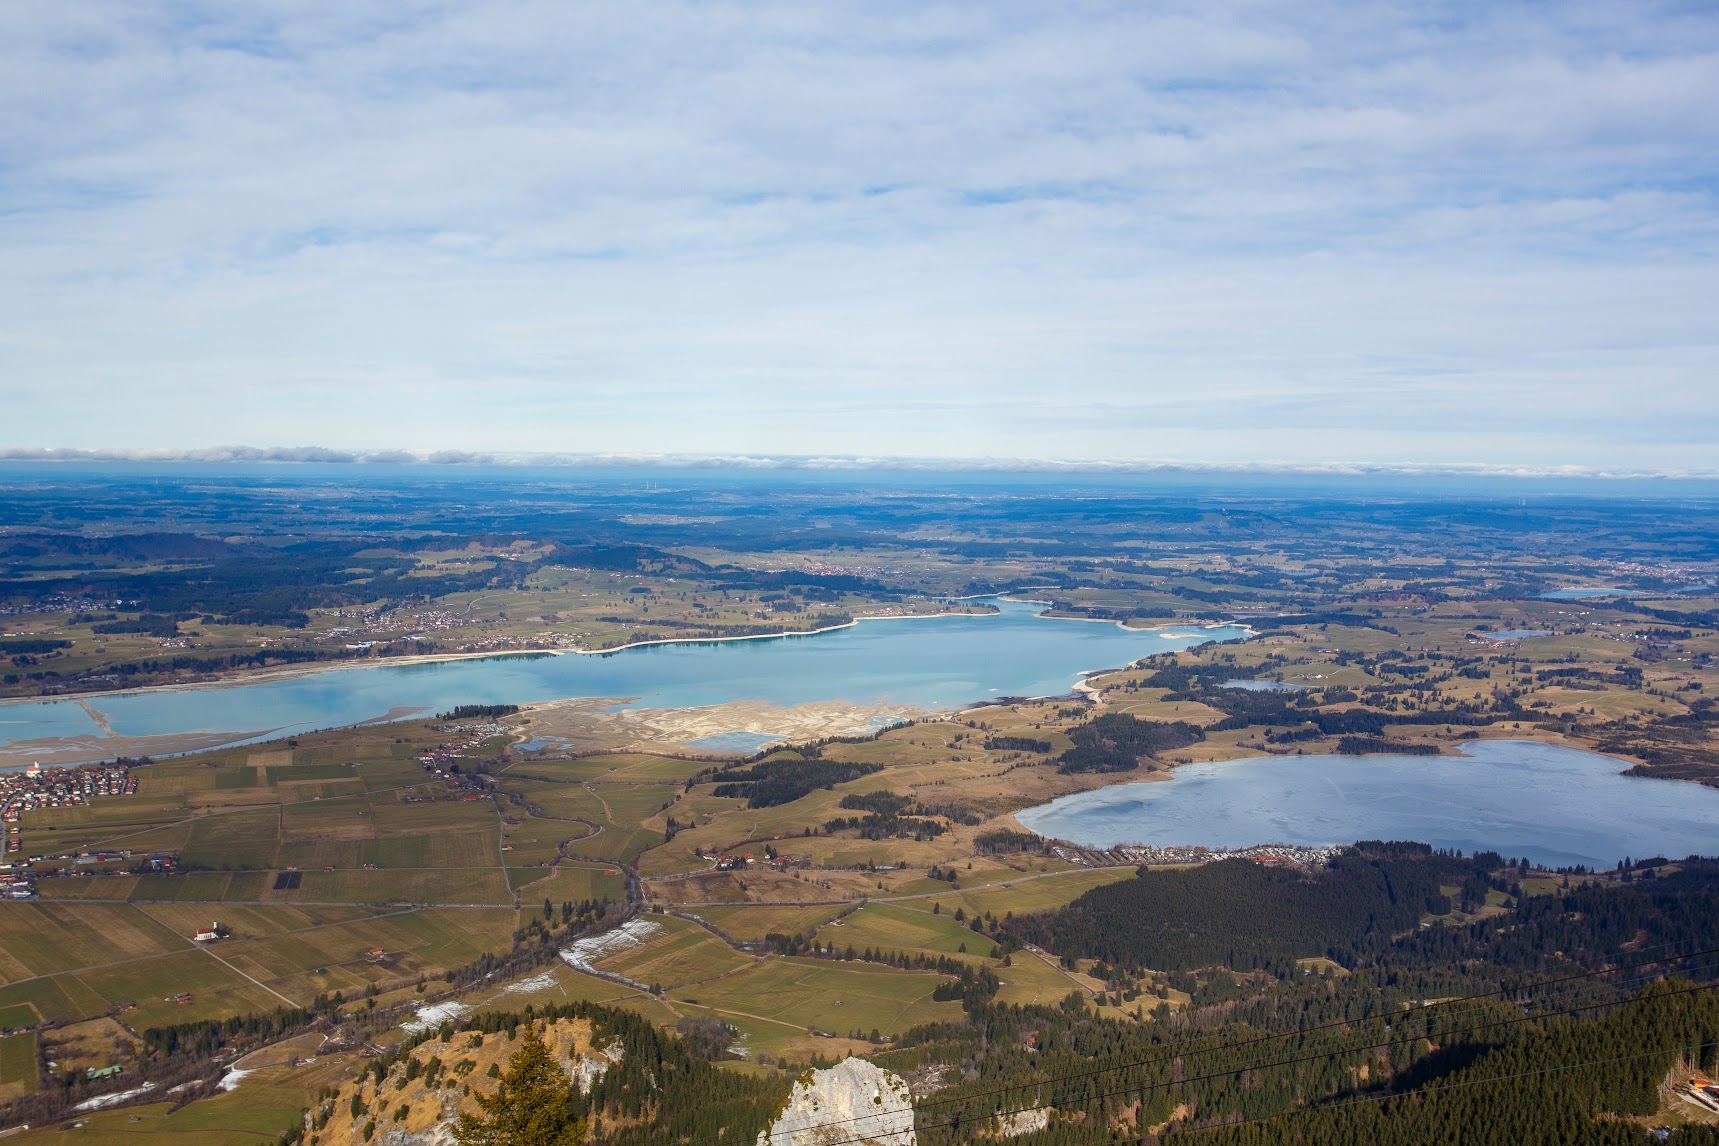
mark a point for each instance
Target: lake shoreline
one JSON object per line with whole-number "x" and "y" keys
{"x": 254, "y": 706}
{"x": 1575, "y": 812}
{"x": 289, "y": 672}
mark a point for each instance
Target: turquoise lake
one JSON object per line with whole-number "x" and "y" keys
{"x": 1557, "y": 806}
{"x": 932, "y": 662}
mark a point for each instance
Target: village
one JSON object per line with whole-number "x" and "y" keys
{"x": 1304, "y": 859}
{"x": 37, "y": 787}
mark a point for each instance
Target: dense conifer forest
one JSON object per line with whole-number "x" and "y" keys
{"x": 1556, "y": 1021}
{"x": 1116, "y": 742}
{"x": 1243, "y": 915}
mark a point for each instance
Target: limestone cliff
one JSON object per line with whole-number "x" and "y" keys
{"x": 1020, "y": 1122}
{"x": 853, "y": 1102}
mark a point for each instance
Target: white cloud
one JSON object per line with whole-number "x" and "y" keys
{"x": 1282, "y": 232}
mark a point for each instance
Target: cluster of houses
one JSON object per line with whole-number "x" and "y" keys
{"x": 38, "y": 787}
{"x": 724, "y": 861}
{"x": 61, "y": 603}
{"x": 1271, "y": 855}
{"x": 17, "y": 877}
{"x": 375, "y": 623}
{"x": 441, "y": 759}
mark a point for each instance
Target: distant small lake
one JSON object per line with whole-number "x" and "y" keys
{"x": 929, "y": 662}
{"x": 1557, "y": 806}
{"x": 1578, "y": 593}
{"x": 1263, "y": 685}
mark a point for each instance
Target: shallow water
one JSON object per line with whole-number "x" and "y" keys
{"x": 1557, "y": 806}
{"x": 745, "y": 742}
{"x": 933, "y": 662}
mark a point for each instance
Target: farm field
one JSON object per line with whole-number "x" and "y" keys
{"x": 622, "y": 811}
{"x": 893, "y": 927}
{"x": 147, "y": 985}
{"x": 829, "y": 995}
{"x": 568, "y": 882}
{"x": 1031, "y": 893}
{"x": 251, "y": 921}
{"x": 17, "y": 1015}
{"x": 757, "y": 922}
{"x": 611, "y": 767}
{"x": 681, "y": 953}
{"x": 17, "y": 1065}
{"x": 47, "y": 938}
{"x": 1029, "y": 980}
{"x": 336, "y": 957}
{"x": 769, "y": 1039}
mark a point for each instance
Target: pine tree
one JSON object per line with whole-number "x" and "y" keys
{"x": 532, "y": 1105}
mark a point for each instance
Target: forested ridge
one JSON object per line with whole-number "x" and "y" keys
{"x": 1242, "y": 915}
{"x": 1484, "y": 1076}
{"x": 784, "y": 779}
{"x": 1117, "y": 742}
{"x": 1553, "y": 1022}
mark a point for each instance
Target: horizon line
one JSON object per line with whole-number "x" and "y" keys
{"x": 857, "y": 463}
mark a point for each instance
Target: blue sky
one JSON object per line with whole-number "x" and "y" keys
{"x": 1301, "y": 233}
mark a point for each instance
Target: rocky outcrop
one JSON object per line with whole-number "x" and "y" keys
{"x": 854, "y": 1103}
{"x": 586, "y": 1069}
{"x": 1023, "y": 1122}
{"x": 418, "y": 1102}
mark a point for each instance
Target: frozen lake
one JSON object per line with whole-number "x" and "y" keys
{"x": 1557, "y": 806}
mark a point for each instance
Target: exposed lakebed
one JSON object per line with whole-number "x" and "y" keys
{"x": 1557, "y": 806}
{"x": 931, "y": 663}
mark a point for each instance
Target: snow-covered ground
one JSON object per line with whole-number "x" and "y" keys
{"x": 233, "y": 1077}
{"x": 116, "y": 1097}
{"x": 585, "y": 953}
{"x": 434, "y": 1015}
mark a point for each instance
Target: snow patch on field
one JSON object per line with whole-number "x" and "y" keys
{"x": 233, "y": 1077}
{"x": 525, "y": 986}
{"x": 112, "y": 1099}
{"x": 585, "y": 953}
{"x": 434, "y": 1015}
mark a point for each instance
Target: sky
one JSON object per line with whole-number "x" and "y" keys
{"x": 1303, "y": 233}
